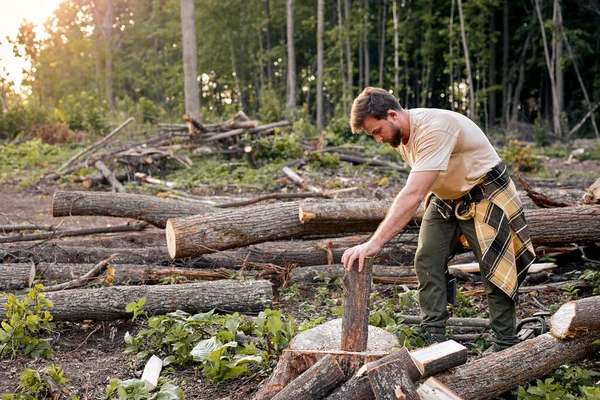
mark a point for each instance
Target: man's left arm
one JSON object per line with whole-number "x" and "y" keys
{"x": 398, "y": 216}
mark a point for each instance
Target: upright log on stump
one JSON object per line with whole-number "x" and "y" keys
{"x": 355, "y": 319}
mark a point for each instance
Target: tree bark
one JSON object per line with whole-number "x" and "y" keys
{"x": 380, "y": 274}
{"x": 467, "y": 62}
{"x": 153, "y": 210}
{"x": 110, "y": 177}
{"x": 16, "y": 276}
{"x": 383, "y": 22}
{"x": 492, "y": 71}
{"x": 391, "y": 374}
{"x": 291, "y": 53}
{"x": 320, "y": 66}
{"x": 316, "y": 382}
{"x": 520, "y": 81}
{"x": 109, "y": 303}
{"x": 190, "y": 60}
{"x": 396, "y": 44}
{"x": 512, "y": 367}
{"x": 347, "y": 9}
{"x": 355, "y": 318}
{"x": 576, "y": 317}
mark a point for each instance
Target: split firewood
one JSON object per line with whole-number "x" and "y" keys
{"x": 576, "y": 317}
{"x": 151, "y": 209}
{"x": 152, "y": 373}
{"x": 355, "y": 317}
{"x": 439, "y": 357}
{"x": 73, "y": 232}
{"x": 392, "y": 377}
{"x": 110, "y": 177}
{"x": 316, "y": 382}
{"x": 357, "y": 388}
{"x": 490, "y": 376}
{"x": 16, "y": 277}
{"x": 109, "y": 303}
{"x": 432, "y": 389}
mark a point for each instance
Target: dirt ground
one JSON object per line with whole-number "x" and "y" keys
{"x": 92, "y": 353}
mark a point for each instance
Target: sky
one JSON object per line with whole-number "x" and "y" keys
{"x": 12, "y": 14}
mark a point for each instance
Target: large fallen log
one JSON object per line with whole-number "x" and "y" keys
{"x": 73, "y": 232}
{"x": 153, "y": 210}
{"x": 109, "y": 303}
{"x": 16, "y": 276}
{"x": 226, "y": 229}
{"x": 493, "y": 375}
{"x": 380, "y": 274}
{"x": 576, "y": 317}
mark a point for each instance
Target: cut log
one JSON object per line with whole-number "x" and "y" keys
{"x": 576, "y": 317}
{"x": 72, "y": 232}
{"x": 357, "y": 388}
{"x": 236, "y": 132}
{"x": 432, "y": 389}
{"x": 109, "y": 303}
{"x": 380, "y": 274}
{"x": 110, "y": 177}
{"x": 493, "y": 375}
{"x": 297, "y": 179}
{"x": 316, "y": 382}
{"x": 392, "y": 377}
{"x": 355, "y": 317}
{"x": 226, "y": 229}
{"x": 439, "y": 357}
{"x": 64, "y": 254}
{"x": 153, "y": 210}
{"x": 310, "y": 346}
{"x": 474, "y": 267}
{"x": 152, "y": 373}
{"x": 17, "y": 276}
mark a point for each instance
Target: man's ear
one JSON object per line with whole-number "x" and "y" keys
{"x": 392, "y": 114}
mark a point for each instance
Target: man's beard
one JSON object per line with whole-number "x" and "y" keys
{"x": 396, "y": 136}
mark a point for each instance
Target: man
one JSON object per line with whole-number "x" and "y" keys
{"x": 470, "y": 193}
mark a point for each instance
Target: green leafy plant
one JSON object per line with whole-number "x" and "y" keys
{"x": 567, "y": 382}
{"x": 136, "y": 307}
{"x": 463, "y": 307}
{"x": 592, "y": 277}
{"x": 25, "y": 320}
{"x": 40, "y": 384}
{"x": 135, "y": 389}
{"x": 383, "y": 315}
{"x": 521, "y": 157}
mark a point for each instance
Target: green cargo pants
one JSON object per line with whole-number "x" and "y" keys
{"x": 438, "y": 238}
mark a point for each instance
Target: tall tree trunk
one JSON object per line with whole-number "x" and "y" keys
{"x": 291, "y": 52}
{"x": 505, "y": 70}
{"x": 262, "y": 58}
{"x": 515, "y": 101}
{"x": 492, "y": 69}
{"x": 396, "y": 67}
{"x": 268, "y": 34}
{"x": 361, "y": 59}
{"x": 108, "y": 68}
{"x": 190, "y": 60}
{"x": 320, "y": 28}
{"x": 347, "y": 8}
{"x": 467, "y": 62}
{"x": 341, "y": 45}
{"x": 583, "y": 89}
{"x": 451, "y": 60}
{"x": 550, "y": 66}
{"x": 366, "y": 45}
{"x": 382, "y": 42}
{"x": 238, "y": 88}
{"x": 558, "y": 52}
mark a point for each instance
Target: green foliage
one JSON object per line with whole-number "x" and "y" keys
{"x": 36, "y": 384}
{"x": 271, "y": 107}
{"x": 339, "y": 132}
{"x": 136, "y": 307}
{"x": 83, "y": 111}
{"x": 21, "y": 118}
{"x": 463, "y": 307}
{"x": 290, "y": 293}
{"x": 592, "y": 277}
{"x": 30, "y": 160}
{"x": 521, "y": 157}
{"x": 276, "y": 148}
{"x": 593, "y": 154}
{"x": 25, "y": 320}
{"x": 212, "y": 341}
{"x": 382, "y": 315}
{"x": 135, "y": 389}
{"x": 567, "y": 382}
{"x": 323, "y": 160}
{"x": 541, "y": 132}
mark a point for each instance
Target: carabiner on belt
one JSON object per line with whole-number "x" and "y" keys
{"x": 464, "y": 212}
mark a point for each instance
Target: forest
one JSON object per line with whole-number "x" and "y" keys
{"x": 511, "y": 65}
{"x": 179, "y": 182}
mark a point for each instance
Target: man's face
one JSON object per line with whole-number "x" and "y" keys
{"x": 383, "y": 130}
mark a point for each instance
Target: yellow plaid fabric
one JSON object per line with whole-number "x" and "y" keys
{"x": 502, "y": 232}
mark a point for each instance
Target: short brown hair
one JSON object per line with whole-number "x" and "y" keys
{"x": 373, "y": 102}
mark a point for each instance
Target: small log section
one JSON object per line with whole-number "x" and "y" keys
{"x": 393, "y": 377}
{"x": 322, "y": 378}
{"x": 576, "y": 317}
{"x": 109, "y": 303}
{"x": 355, "y": 317}
{"x": 153, "y": 210}
{"x": 17, "y": 277}
{"x": 493, "y": 375}
{"x": 110, "y": 177}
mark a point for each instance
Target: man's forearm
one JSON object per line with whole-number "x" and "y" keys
{"x": 398, "y": 216}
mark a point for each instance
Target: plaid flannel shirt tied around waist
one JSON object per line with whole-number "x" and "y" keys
{"x": 502, "y": 231}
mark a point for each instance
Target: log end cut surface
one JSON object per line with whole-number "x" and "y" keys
{"x": 561, "y": 320}
{"x": 171, "y": 241}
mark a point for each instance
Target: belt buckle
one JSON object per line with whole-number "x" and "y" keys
{"x": 470, "y": 212}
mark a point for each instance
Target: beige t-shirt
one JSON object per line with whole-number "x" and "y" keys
{"x": 446, "y": 141}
